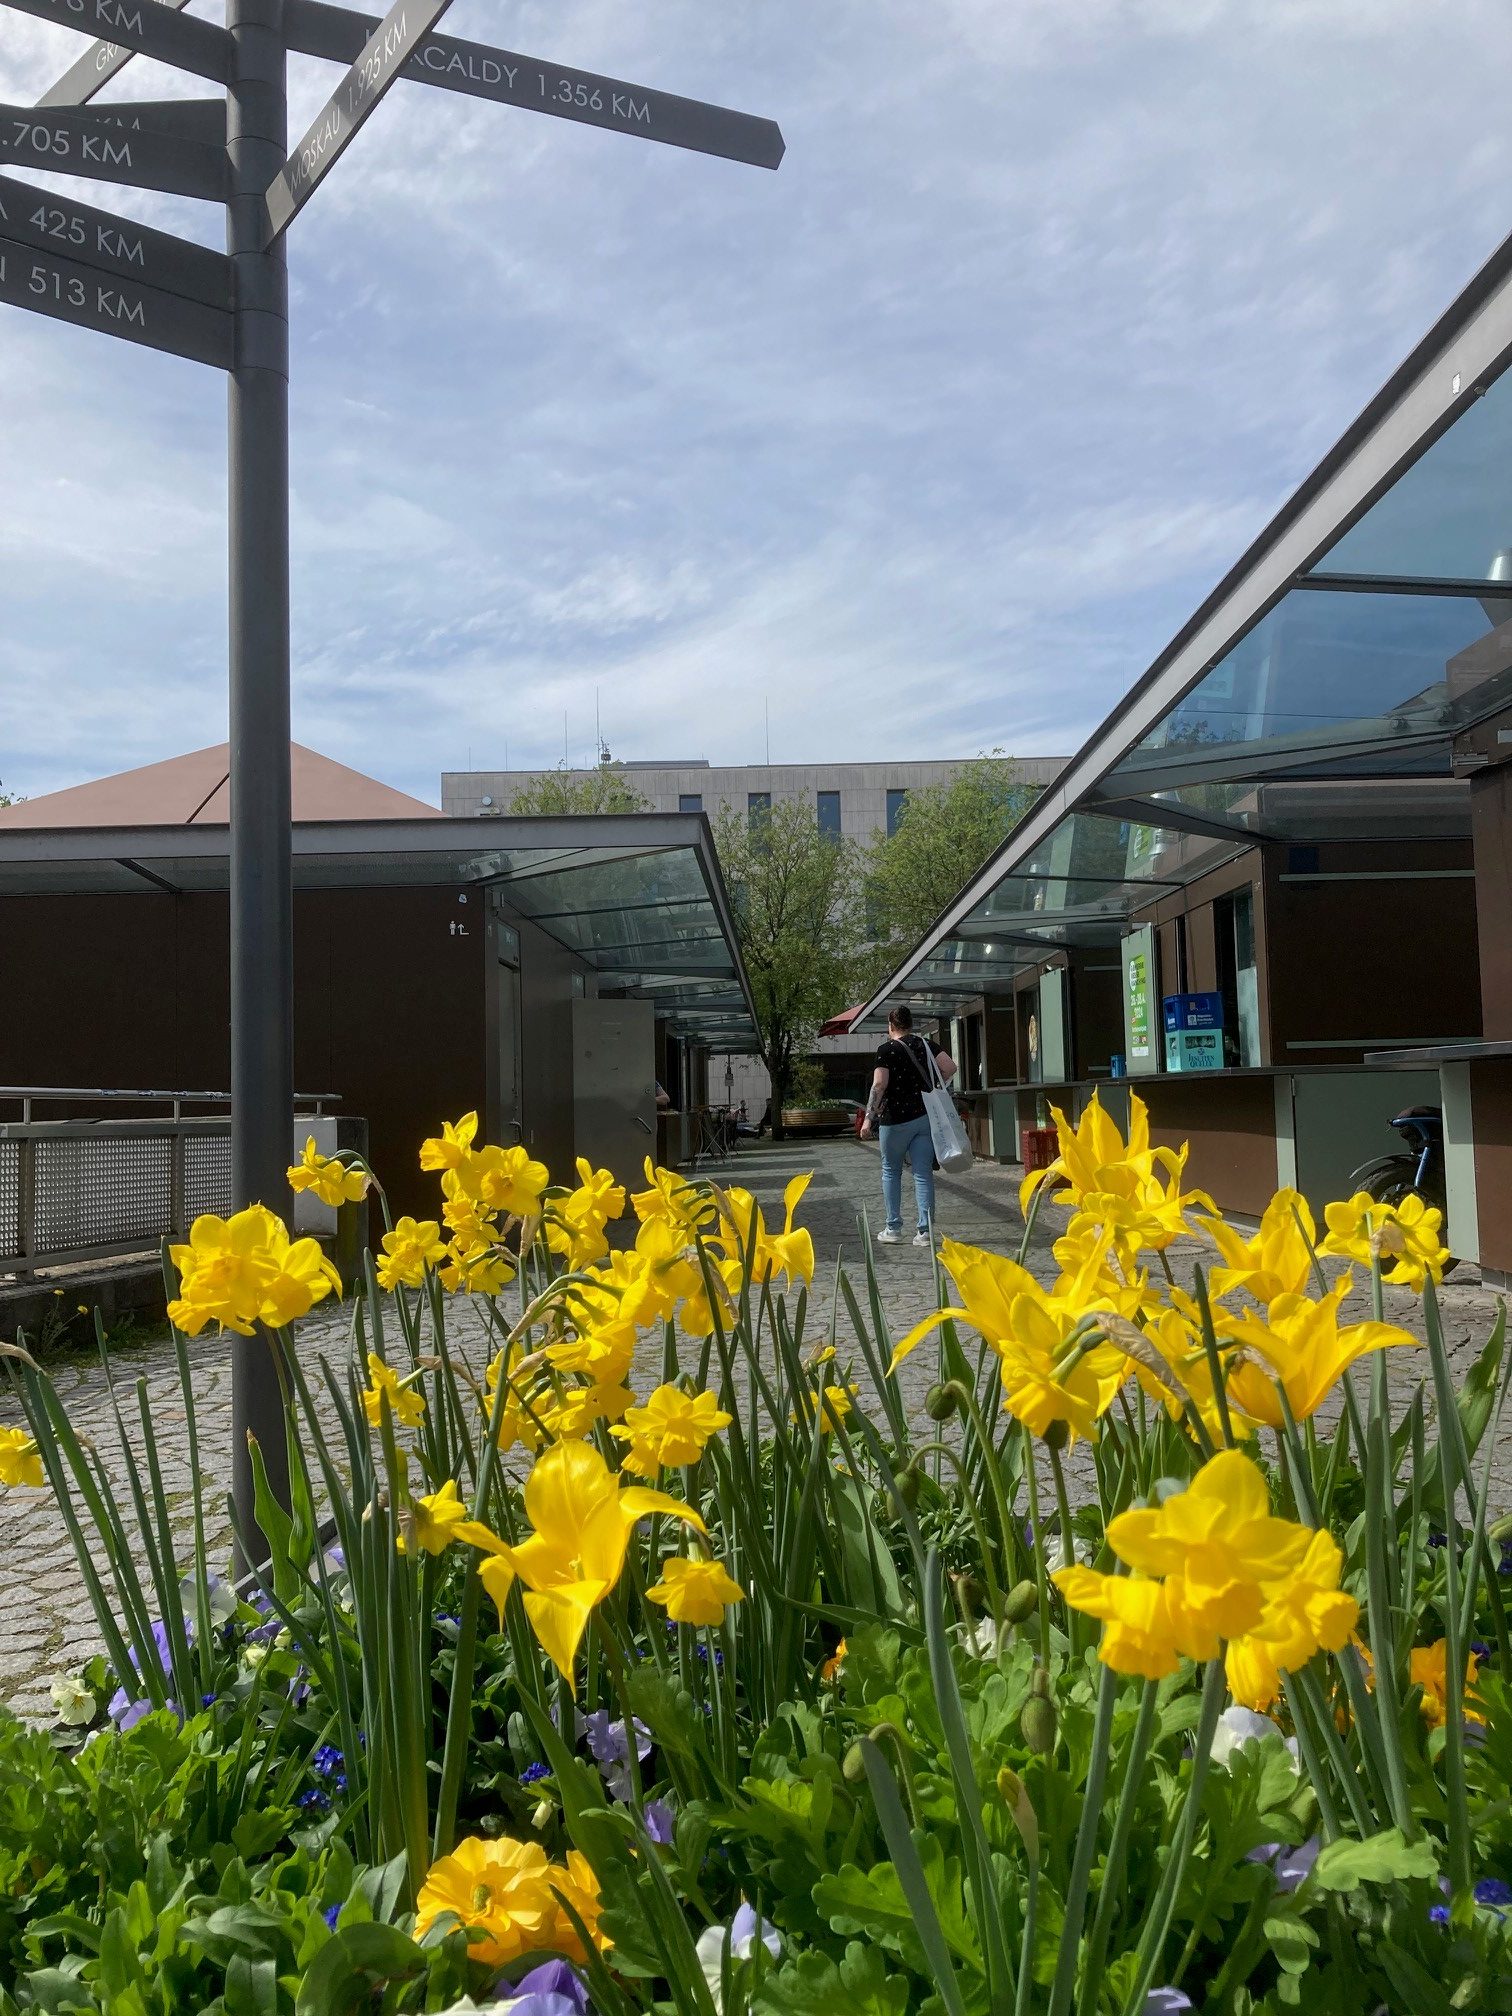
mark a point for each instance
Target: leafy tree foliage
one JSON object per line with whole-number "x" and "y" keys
{"x": 603, "y": 789}
{"x": 944, "y": 834}
{"x": 795, "y": 893}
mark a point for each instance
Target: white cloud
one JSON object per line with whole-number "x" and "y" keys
{"x": 930, "y": 440}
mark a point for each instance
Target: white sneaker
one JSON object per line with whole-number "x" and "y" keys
{"x": 887, "y": 1237}
{"x": 921, "y": 1238}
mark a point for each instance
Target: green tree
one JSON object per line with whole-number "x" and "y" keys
{"x": 603, "y": 789}
{"x": 11, "y": 797}
{"x": 944, "y": 834}
{"x": 795, "y": 893}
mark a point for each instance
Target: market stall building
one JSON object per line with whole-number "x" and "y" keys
{"x": 1301, "y": 814}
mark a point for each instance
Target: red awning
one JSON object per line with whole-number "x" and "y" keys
{"x": 840, "y": 1025}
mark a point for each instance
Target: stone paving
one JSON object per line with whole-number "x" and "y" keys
{"x": 45, "y": 1620}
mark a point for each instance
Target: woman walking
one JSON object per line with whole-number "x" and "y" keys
{"x": 895, "y": 1112}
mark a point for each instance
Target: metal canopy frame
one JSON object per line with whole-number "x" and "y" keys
{"x": 1446, "y": 373}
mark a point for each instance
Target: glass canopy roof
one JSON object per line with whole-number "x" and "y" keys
{"x": 638, "y": 897}
{"x": 1332, "y": 713}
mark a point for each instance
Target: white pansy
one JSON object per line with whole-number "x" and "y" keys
{"x": 74, "y": 1701}
{"x": 1238, "y": 1727}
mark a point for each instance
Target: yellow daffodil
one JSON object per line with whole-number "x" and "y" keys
{"x": 1429, "y": 1669}
{"x": 668, "y": 1195}
{"x": 466, "y": 1219}
{"x": 500, "y": 1890}
{"x": 579, "y": 1408}
{"x": 331, "y": 1181}
{"x": 1142, "y": 1630}
{"x": 1220, "y": 1538}
{"x": 407, "y": 1408}
{"x": 412, "y": 1246}
{"x": 1405, "y": 1236}
{"x": 836, "y": 1403}
{"x": 666, "y": 1263}
{"x": 19, "y": 1460}
{"x": 442, "y": 1518}
{"x": 786, "y": 1252}
{"x": 1306, "y": 1611}
{"x": 1168, "y": 1359}
{"x": 1299, "y": 1343}
{"x": 1277, "y": 1261}
{"x": 1051, "y": 1367}
{"x": 475, "y": 1267}
{"x": 671, "y": 1429}
{"x": 245, "y": 1270}
{"x": 575, "y": 1226}
{"x": 519, "y": 1422}
{"x": 695, "y": 1592}
{"x": 451, "y": 1148}
{"x": 576, "y": 1884}
{"x": 582, "y": 1519}
{"x": 504, "y": 1179}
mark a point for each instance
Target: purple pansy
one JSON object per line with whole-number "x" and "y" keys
{"x": 549, "y": 1990}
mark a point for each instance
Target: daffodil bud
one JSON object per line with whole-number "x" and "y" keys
{"x": 1021, "y": 1602}
{"x": 542, "y": 1815}
{"x": 1038, "y": 1724}
{"x": 854, "y": 1766}
{"x": 970, "y": 1591}
{"x": 940, "y": 1402}
{"x": 1039, "y": 1683}
{"x": 909, "y": 1482}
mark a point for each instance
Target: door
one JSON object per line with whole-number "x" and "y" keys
{"x": 614, "y": 1085}
{"x": 505, "y": 1119}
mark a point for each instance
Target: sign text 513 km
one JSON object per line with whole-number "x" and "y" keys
{"x": 71, "y": 292}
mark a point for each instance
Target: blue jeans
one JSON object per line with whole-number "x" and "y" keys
{"x": 911, "y": 1139}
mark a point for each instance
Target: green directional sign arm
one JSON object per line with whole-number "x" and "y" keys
{"x": 379, "y": 64}
{"x": 95, "y": 68}
{"x": 144, "y": 26}
{"x": 315, "y": 28}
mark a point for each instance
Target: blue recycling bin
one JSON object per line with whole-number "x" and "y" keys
{"x": 1192, "y": 1011}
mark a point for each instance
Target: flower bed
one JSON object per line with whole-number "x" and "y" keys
{"x": 749, "y": 1693}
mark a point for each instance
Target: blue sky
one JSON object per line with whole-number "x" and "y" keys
{"x": 928, "y": 442}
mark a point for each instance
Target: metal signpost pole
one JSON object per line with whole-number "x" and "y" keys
{"x": 262, "y": 903}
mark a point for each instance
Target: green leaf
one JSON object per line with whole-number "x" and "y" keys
{"x": 1291, "y": 1942}
{"x": 873, "y": 1902}
{"x": 812, "y": 1985}
{"x": 1384, "y": 1858}
{"x": 277, "y": 1527}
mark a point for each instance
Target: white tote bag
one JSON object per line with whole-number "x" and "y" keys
{"x": 952, "y": 1149}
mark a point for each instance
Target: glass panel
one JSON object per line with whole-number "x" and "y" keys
{"x": 757, "y": 803}
{"x": 828, "y": 807}
{"x": 1449, "y": 518}
{"x": 896, "y": 800}
{"x": 1335, "y": 675}
{"x": 690, "y": 801}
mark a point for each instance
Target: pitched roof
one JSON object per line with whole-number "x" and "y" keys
{"x": 194, "y": 790}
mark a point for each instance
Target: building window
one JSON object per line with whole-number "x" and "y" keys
{"x": 758, "y": 804}
{"x": 690, "y": 801}
{"x": 896, "y": 800}
{"x": 829, "y": 813}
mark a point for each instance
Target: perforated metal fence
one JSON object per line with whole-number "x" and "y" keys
{"x": 86, "y": 1189}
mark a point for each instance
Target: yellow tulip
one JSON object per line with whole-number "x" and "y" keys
{"x": 407, "y": 1408}
{"x": 1129, "y": 1189}
{"x": 19, "y": 1460}
{"x": 331, "y": 1181}
{"x": 582, "y": 1519}
{"x": 1277, "y": 1261}
{"x": 786, "y": 1252}
{"x": 671, "y": 1429}
{"x": 1405, "y": 1237}
{"x": 412, "y": 1246}
{"x": 1299, "y": 1343}
{"x": 244, "y": 1270}
{"x": 1051, "y": 1370}
{"x": 695, "y": 1592}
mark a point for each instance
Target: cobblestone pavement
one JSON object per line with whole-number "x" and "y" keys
{"x": 45, "y": 1619}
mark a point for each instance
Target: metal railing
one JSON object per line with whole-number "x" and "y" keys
{"x": 89, "y": 1095}
{"x": 85, "y": 1189}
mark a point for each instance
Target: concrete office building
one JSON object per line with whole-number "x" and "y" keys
{"x": 856, "y": 800}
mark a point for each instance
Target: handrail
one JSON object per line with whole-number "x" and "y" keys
{"x": 59, "y": 1095}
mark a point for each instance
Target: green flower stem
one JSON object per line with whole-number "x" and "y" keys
{"x": 1075, "y": 1628}
{"x": 1312, "y": 1717}
{"x": 1086, "y": 1846}
{"x": 994, "y": 1474}
{"x": 1163, "y": 1907}
{"x": 1457, "y": 1797}
{"x": 1214, "y": 1358}
{"x": 984, "y": 1545}
{"x": 1041, "y": 1578}
{"x": 1118, "y": 1846}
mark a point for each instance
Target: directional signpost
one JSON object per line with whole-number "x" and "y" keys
{"x": 66, "y": 259}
